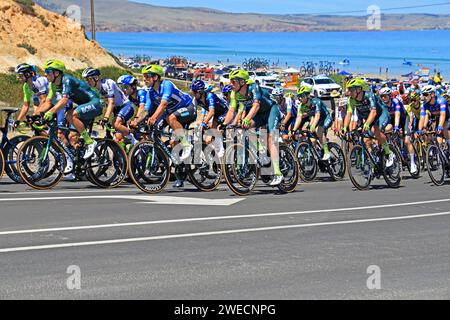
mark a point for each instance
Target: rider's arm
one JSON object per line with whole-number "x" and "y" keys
{"x": 211, "y": 105}
{"x": 443, "y": 109}
{"x": 371, "y": 117}
{"x": 27, "y": 97}
{"x": 423, "y": 117}
{"x": 110, "y": 108}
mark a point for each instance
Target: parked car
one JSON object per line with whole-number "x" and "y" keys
{"x": 263, "y": 78}
{"x": 224, "y": 79}
{"x": 322, "y": 86}
{"x": 200, "y": 66}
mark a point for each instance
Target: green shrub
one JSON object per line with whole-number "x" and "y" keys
{"x": 10, "y": 90}
{"x": 28, "y": 47}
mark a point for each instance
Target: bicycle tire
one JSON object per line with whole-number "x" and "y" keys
{"x": 337, "y": 162}
{"x": 117, "y": 158}
{"x": 208, "y": 181}
{"x": 158, "y": 175}
{"x": 11, "y": 149}
{"x": 435, "y": 162}
{"x": 234, "y": 176}
{"x": 307, "y": 163}
{"x": 288, "y": 162}
{"x": 357, "y": 156}
{"x": 393, "y": 174}
{"x": 39, "y": 180}
{"x": 2, "y": 164}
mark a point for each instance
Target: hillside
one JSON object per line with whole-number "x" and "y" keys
{"x": 32, "y": 34}
{"x": 123, "y": 15}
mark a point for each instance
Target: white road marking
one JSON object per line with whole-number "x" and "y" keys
{"x": 142, "y": 223}
{"x": 149, "y": 199}
{"x": 221, "y": 232}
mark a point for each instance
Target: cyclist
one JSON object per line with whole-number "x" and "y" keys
{"x": 236, "y": 109}
{"x": 398, "y": 116}
{"x": 34, "y": 87}
{"x": 87, "y": 100}
{"x": 288, "y": 109}
{"x": 174, "y": 105}
{"x": 375, "y": 115}
{"x": 262, "y": 111}
{"x": 129, "y": 85}
{"x": 213, "y": 109}
{"x": 436, "y": 109}
{"x": 118, "y": 103}
{"x": 318, "y": 114}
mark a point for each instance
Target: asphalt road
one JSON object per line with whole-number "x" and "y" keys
{"x": 322, "y": 242}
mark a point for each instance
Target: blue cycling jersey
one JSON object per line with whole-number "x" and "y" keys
{"x": 213, "y": 102}
{"x": 176, "y": 98}
{"x": 395, "y": 106}
{"x": 435, "y": 109}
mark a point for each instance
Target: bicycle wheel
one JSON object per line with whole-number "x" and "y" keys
{"x": 149, "y": 167}
{"x": 241, "y": 169}
{"x": 11, "y": 151}
{"x": 307, "y": 162}
{"x": 107, "y": 168}
{"x": 435, "y": 165}
{"x": 337, "y": 164}
{"x": 393, "y": 174}
{"x": 289, "y": 168}
{"x": 360, "y": 167}
{"x": 2, "y": 164}
{"x": 41, "y": 164}
{"x": 421, "y": 151}
{"x": 206, "y": 172}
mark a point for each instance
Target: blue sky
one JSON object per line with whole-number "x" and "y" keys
{"x": 301, "y": 6}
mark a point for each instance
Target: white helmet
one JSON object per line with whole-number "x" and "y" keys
{"x": 429, "y": 89}
{"x": 385, "y": 91}
{"x": 278, "y": 92}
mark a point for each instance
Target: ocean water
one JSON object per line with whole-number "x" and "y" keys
{"x": 367, "y": 51}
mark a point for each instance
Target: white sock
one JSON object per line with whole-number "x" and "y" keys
{"x": 411, "y": 155}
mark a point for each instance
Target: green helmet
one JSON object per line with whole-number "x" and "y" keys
{"x": 357, "y": 82}
{"x": 290, "y": 95}
{"x": 239, "y": 74}
{"x": 153, "y": 69}
{"x": 304, "y": 89}
{"x": 55, "y": 65}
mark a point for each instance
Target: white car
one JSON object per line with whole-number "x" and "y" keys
{"x": 201, "y": 66}
{"x": 263, "y": 78}
{"x": 217, "y": 67}
{"x": 322, "y": 86}
{"x": 224, "y": 79}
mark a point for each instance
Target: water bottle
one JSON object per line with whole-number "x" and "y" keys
{"x": 11, "y": 124}
{"x": 94, "y": 134}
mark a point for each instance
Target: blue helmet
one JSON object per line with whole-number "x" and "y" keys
{"x": 197, "y": 85}
{"x": 127, "y": 80}
{"x": 227, "y": 89}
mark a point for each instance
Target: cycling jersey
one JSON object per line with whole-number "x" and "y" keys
{"x": 317, "y": 106}
{"x": 396, "y": 106}
{"x": 77, "y": 91}
{"x": 109, "y": 89}
{"x": 363, "y": 108}
{"x": 434, "y": 110}
{"x": 413, "y": 110}
{"x": 176, "y": 98}
{"x": 219, "y": 105}
{"x": 39, "y": 87}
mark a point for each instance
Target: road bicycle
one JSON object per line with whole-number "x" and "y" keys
{"x": 365, "y": 165}
{"x": 310, "y": 154}
{"x": 399, "y": 144}
{"x": 10, "y": 147}
{"x": 42, "y": 160}
{"x": 437, "y": 160}
{"x": 244, "y": 164}
{"x": 150, "y": 162}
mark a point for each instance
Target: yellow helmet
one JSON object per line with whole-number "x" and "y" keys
{"x": 153, "y": 69}
{"x": 304, "y": 89}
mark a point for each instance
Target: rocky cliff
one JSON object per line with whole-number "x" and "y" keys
{"x": 29, "y": 33}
